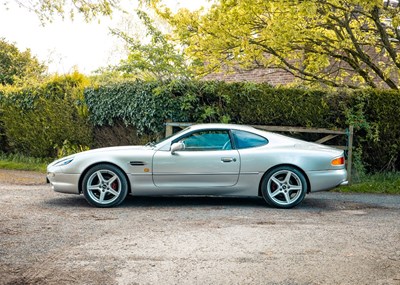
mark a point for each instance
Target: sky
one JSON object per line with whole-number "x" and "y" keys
{"x": 64, "y": 45}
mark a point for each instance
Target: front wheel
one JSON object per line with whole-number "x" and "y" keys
{"x": 284, "y": 187}
{"x": 104, "y": 186}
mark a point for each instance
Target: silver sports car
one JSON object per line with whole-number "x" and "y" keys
{"x": 209, "y": 159}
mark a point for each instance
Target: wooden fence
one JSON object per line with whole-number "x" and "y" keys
{"x": 328, "y": 135}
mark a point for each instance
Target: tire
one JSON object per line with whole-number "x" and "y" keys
{"x": 104, "y": 186}
{"x": 284, "y": 187}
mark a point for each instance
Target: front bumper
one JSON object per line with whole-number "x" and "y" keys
{"x": 64, "y": 183}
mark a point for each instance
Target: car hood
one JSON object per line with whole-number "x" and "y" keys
{"x": 115, "y": 149}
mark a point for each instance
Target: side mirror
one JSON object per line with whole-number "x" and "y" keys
{"x": 177, "y": 146}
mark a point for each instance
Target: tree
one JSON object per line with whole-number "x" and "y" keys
{"x": 47, "y": 9}
{"x": 157, "y": 58}
{"x": 331, "y": 42}
{"x": 152, "y": 56}
{"x": 16, "y": 66}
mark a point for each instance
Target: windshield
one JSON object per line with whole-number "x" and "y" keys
{"x": 158, "y": 143}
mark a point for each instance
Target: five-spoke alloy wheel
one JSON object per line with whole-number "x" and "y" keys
{"x": 105, "y": 185}
{"x": 284, "y": 187}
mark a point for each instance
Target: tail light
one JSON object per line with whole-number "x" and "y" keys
{"x": 338, "y": 161}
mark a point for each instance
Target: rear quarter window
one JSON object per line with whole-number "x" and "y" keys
{"x": 245, "y": 139}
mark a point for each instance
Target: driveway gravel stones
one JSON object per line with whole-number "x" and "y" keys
{"x": 331, "y": 238}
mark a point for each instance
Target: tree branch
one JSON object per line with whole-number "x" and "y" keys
{"x": 384, "y": 36}
{"x": 359, "y": 52}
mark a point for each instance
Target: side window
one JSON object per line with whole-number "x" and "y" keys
{"x": 247, "y": 140}
{"x": 207, "y": 140}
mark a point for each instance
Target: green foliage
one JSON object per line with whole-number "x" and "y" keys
{"x": 378, "y": 183}
{"x": 156, "y": 58}
{"x": 198, "y": 101}
{"x": 382, "y": 112}
{"x": 37, "y": 118}
{"x": 57, "y": 118}
{"x": 68, "y": 148}
{"x": 148, "y": 105}
{"x": 133, "y": 103}
{"x": 265, "y": 105}
{"x": 359, "y": 170}
{"x": 22, "y": 162}
{"x": 109, "y": 75}
{"x": 338, "y": 43}
{"x": 18, "y": 67}
{"x": 46, "y": 9}
{"x": 3, "y": 137}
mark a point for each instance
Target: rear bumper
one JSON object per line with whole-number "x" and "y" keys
{"x": 327, "y": 179}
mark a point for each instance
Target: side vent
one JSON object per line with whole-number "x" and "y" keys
{"x": 137, "y": 163}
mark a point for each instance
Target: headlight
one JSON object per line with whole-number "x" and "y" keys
{"x": 64, "y": 162}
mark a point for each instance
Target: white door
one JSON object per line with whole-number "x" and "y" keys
{"x": 207, "y": 160}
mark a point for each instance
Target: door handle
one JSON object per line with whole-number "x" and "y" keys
{"x": 228, "y": 159}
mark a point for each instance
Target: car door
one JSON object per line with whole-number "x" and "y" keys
{"x": 206, "y": 160}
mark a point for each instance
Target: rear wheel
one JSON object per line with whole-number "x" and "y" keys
{"x": 105, "y": 185}
{"x": 284, "y": 187}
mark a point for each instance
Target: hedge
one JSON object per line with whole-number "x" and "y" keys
{"x": 35, "y": 120}
{"x": 41, "y": 120}
{"x": 147, "y": 105}
{"x": 373, "y": 113}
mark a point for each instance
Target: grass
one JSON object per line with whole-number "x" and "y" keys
{"x": 379, "y": 183}
{"x": 21, "y": 162}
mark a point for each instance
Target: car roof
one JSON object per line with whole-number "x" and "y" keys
{"x": 222, "y": 126}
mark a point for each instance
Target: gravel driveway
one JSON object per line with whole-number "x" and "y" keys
{"x": 331, "y": 238}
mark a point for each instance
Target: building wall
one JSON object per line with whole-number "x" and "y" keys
{"x": 275, "y": 76}
{"x": 259, "y": 75}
